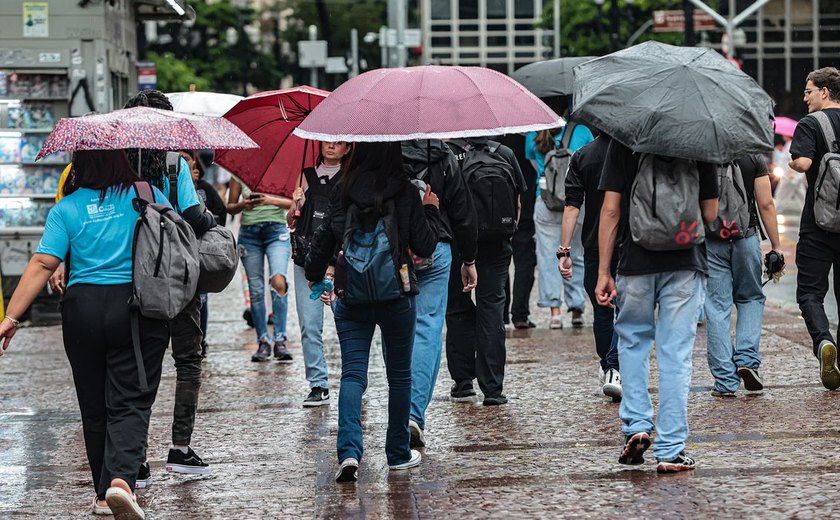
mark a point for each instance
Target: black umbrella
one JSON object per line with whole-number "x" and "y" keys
{"x": 682, "y": 102}
{"x": 550, "y": 77}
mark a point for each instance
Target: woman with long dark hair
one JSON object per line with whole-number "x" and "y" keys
{"x": 375, "y": 189}
{"x": 94, "y": 224}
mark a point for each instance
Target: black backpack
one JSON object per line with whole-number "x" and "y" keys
{"x": 490, "y": 179}
{"x": 369, "y": 268}
{"x": 313, "y": 214}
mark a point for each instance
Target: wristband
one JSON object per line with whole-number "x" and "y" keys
{"x": 468, "y": 264}
{"x": 15, "y": 323}
{"x": 563, "y": 252}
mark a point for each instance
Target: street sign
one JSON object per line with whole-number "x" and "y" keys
{"x": 146, "y": 75}
{"x": 674, "y": 21}
{"x": 336, "y": 65}
{"x": 312, "y": 54}
{"x": 413, "y": 38}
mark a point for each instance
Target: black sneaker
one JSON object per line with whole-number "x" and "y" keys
{"x": 682, "y": 462}
{"x": 263, "y": 352}
{"x": 317, "y": 397}
{"x": 527, "y": 324}
{"x": 144, "y": 476}
{"x": 348, "y": 471}
{"x": 188, "y": 463}
{"x": 752, "y": 381}
{"x": 203, "y": 349}
{"x": 577, "y": 318}
{"x": 829, "y": 371}
{"x": 634, "y": 448}
{"x": 281, "y": 353}
{"x": 462, "y": 392}
{"x": 495, "y": 400}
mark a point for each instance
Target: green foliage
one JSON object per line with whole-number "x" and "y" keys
{"x": 585, "y": 26}
{"x": 174, "y": 75}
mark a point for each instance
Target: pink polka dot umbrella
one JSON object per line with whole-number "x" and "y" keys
{"x": 144, "y": 128}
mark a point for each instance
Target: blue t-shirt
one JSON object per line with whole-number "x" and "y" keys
{"x": 187, "y": 196}
{"x": 98, "y": 235}
{"x": 581, "y": 136}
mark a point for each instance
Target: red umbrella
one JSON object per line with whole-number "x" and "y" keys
{"x": 145, "y": 128}
{"x": 269, "y": 119}
{"x": 428, "y": 102}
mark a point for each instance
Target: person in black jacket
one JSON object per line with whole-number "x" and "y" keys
{"x": 431, "y": 162}
{"x": 374, "y": 181}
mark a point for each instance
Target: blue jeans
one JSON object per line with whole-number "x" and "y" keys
{"x": 311, "y": 317}
{"x": 433, "y": 284}
{"x": 355, "y": 325}
{"x": 603, "y": 318}
{"x": 679, "y": 295}
{"x": 256, "y": 243}
{"x": 734, "y": 277}
{"x": 553, "y": 286}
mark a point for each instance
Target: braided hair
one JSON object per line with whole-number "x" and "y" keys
{"x": 152, "y": 162}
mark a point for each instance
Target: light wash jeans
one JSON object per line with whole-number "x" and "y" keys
{"x": 679, "y": 295}
{"x": 311, "y": 318}
{"x": 433, "y": 284}
{"x": 256, "y": 243}
{"x": 552, "y": 286}
{"x": 734, "y": 277}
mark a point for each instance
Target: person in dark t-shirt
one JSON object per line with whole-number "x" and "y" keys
{"x": 735, "y": 277}
{"x": 673, "y": 281}
{"x": 818, "y": 250}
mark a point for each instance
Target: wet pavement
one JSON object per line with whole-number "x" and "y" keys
{"x": 550, "y": 453}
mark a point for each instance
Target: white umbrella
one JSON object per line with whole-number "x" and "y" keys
{"x": 203, "y": 103}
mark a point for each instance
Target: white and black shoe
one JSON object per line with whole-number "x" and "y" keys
{"x": 752, "y": 381}
{"x": 681, "y": 462}
{"x": 348, "y": 470}
{"x": 612, "y": 384}
{"x": 414, "y": 461}
{"x": 144, "y": 476}
{"x": 123, "y": 505}
{"x": 188, "y": 463}
{"x": 417, "y": 439}
{"x": 317, "y": 397}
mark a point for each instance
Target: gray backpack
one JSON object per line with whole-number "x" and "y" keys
{"x": 164, "y": 265}
{"x": 664, "y": 208}
{"x": 217, "y": 254}
{"x": 556, "y": 162}
{"x": 733, "y": 218}
{"x": 827, "y": 187}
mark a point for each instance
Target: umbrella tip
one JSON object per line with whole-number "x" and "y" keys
{"x": 192, "y": 87}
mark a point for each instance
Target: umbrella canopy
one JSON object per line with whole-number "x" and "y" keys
{"x": 144, "y": 128}
{"x": 428, "y": 102}
{"x": 202, "y": 103}
{"x": 677, "y": 101}
{"x": 269, "y": 119}
{"x": 785, "y": 126}
{"x": 550, "y": 77}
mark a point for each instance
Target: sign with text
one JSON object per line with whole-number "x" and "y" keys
{"x": 312, "y": 53}
{"x": 36, "y": 19}
{"x": 146, "y": 75}
{"x": 674, "y": 21}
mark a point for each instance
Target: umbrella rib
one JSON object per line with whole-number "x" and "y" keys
{"x": 714, "y": 128}
{"x": 490, "y": 108}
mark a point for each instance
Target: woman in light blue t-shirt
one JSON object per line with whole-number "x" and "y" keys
{"x": 91, "y": 228}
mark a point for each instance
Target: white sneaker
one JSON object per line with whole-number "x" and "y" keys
{"x": 418, "y": 440}
{"x": 348, "y": 470}
{"x": 123, "y": 504}
{"x": 601, "y": 374}
{"x": 414, "y": 461}
{"x": 612, "y": 384}
{"x": 556, "y": 322}
{"x": 101, "y": 510}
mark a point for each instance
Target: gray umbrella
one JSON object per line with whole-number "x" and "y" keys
{"x": 550, "y": 77}
{"x": 677, "y": 101}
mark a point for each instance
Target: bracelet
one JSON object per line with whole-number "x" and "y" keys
{"x": 563, "y": 253}
{"x": 15, "y": 323}
{"x": 468, "y": 264}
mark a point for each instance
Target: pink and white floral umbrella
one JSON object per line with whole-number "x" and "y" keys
{"x": 144, "y": 128}
{"x": 428, "y": 102}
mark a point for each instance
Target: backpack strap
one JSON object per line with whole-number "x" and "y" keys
{"x": 567, "y": 134}
{"x": 493, "y": 146}
{"x": 311, "y": 176}
{"x": 172, "y": 167}
{"x": 827, "y": 130}
{"x": 144, "y": 191}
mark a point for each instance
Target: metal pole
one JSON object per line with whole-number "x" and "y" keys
{"x": 313, "y": 72}
{"x": 730, "y": 29}
{"x": 393, "y": 59}
{"x": 788, "y": 46}
{"x": 556, "y": 28}
{"x": 688, "y": 14}
{"x": 614, "y": 43}
{"x": 402, "y": 21}
{"x": 383, "y": 45}
{"x": 354, "y": 52}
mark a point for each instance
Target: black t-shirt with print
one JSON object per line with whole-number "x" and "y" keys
{"x": 808, "y": 141}
{"x": 620, "y": 168}
{"x": 752, "y": 167}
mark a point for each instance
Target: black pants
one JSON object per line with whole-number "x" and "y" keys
{"x": 816, "y": 253}
{"x": 517, "y": 303}
{"x": 186, "y": 351}
{"x": 475, "y": 332}
{"x": 603, "y": 318}
{"x": 115, "y": 411}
